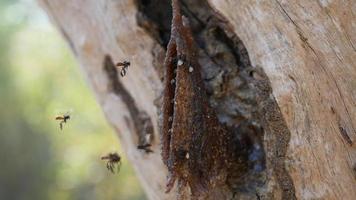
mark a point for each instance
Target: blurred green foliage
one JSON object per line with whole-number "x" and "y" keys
{"x": 38, "y": 80}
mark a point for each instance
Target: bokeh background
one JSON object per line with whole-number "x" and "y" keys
{"x": 39, "y": 78}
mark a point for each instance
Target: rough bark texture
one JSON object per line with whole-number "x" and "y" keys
{"x": 295, "y": 89}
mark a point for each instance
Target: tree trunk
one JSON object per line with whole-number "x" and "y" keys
{"x": 297, "y": 82}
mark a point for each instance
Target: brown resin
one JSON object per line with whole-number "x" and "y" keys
{"x": 200, "y": 152}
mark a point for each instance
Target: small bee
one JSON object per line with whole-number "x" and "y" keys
{"x": 113, "y": 159}
{"x": 63, "y": 119}
{"x": 145, "y": 147}
{"x": 125, "y": 65}
{"x": 145, "y": 142}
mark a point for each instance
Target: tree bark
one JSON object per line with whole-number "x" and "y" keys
{"x": 304, "y": 55}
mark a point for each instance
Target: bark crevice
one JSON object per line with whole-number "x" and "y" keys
{"x": 142, "y": 122}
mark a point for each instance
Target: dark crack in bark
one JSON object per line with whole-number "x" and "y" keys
{"x": 142, "y": 122}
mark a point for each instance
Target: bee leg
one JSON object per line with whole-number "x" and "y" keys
{"x": 112, "y": 168}
{"x": 107, "y": 166}
{"x": 123, "y": 72}
{"x": 61, "y": 125}
{"x": 118, "y": 167}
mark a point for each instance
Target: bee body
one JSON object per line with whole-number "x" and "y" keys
{"x": 125, "y": 65}
{"x": 113, "y": 159}
{"x": 63, "y": 119}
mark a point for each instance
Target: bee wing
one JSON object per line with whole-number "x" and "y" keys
{"x": 148, "y": 138}
{"x": 123, "y": 72}
{"x": 58, "y": 112}
{"x": 133, "y": 57}
{"x": 70, "y": 111}
{"x": 61, "y": 112}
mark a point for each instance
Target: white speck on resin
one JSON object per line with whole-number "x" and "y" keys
{"x": 180, "y": 62}
{"x": 187, "y": 156}
{"x": 191, "y": 69}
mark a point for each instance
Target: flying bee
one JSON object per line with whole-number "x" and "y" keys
{"x": 63, "y": 119}
{"x": 145, "y": 147}
{"x": 112, "y": 160}
{"x": 125, "y": 65}
{"x": 145, "y": 143}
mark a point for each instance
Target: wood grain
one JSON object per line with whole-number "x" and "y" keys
{"x": 307, "y": 49}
